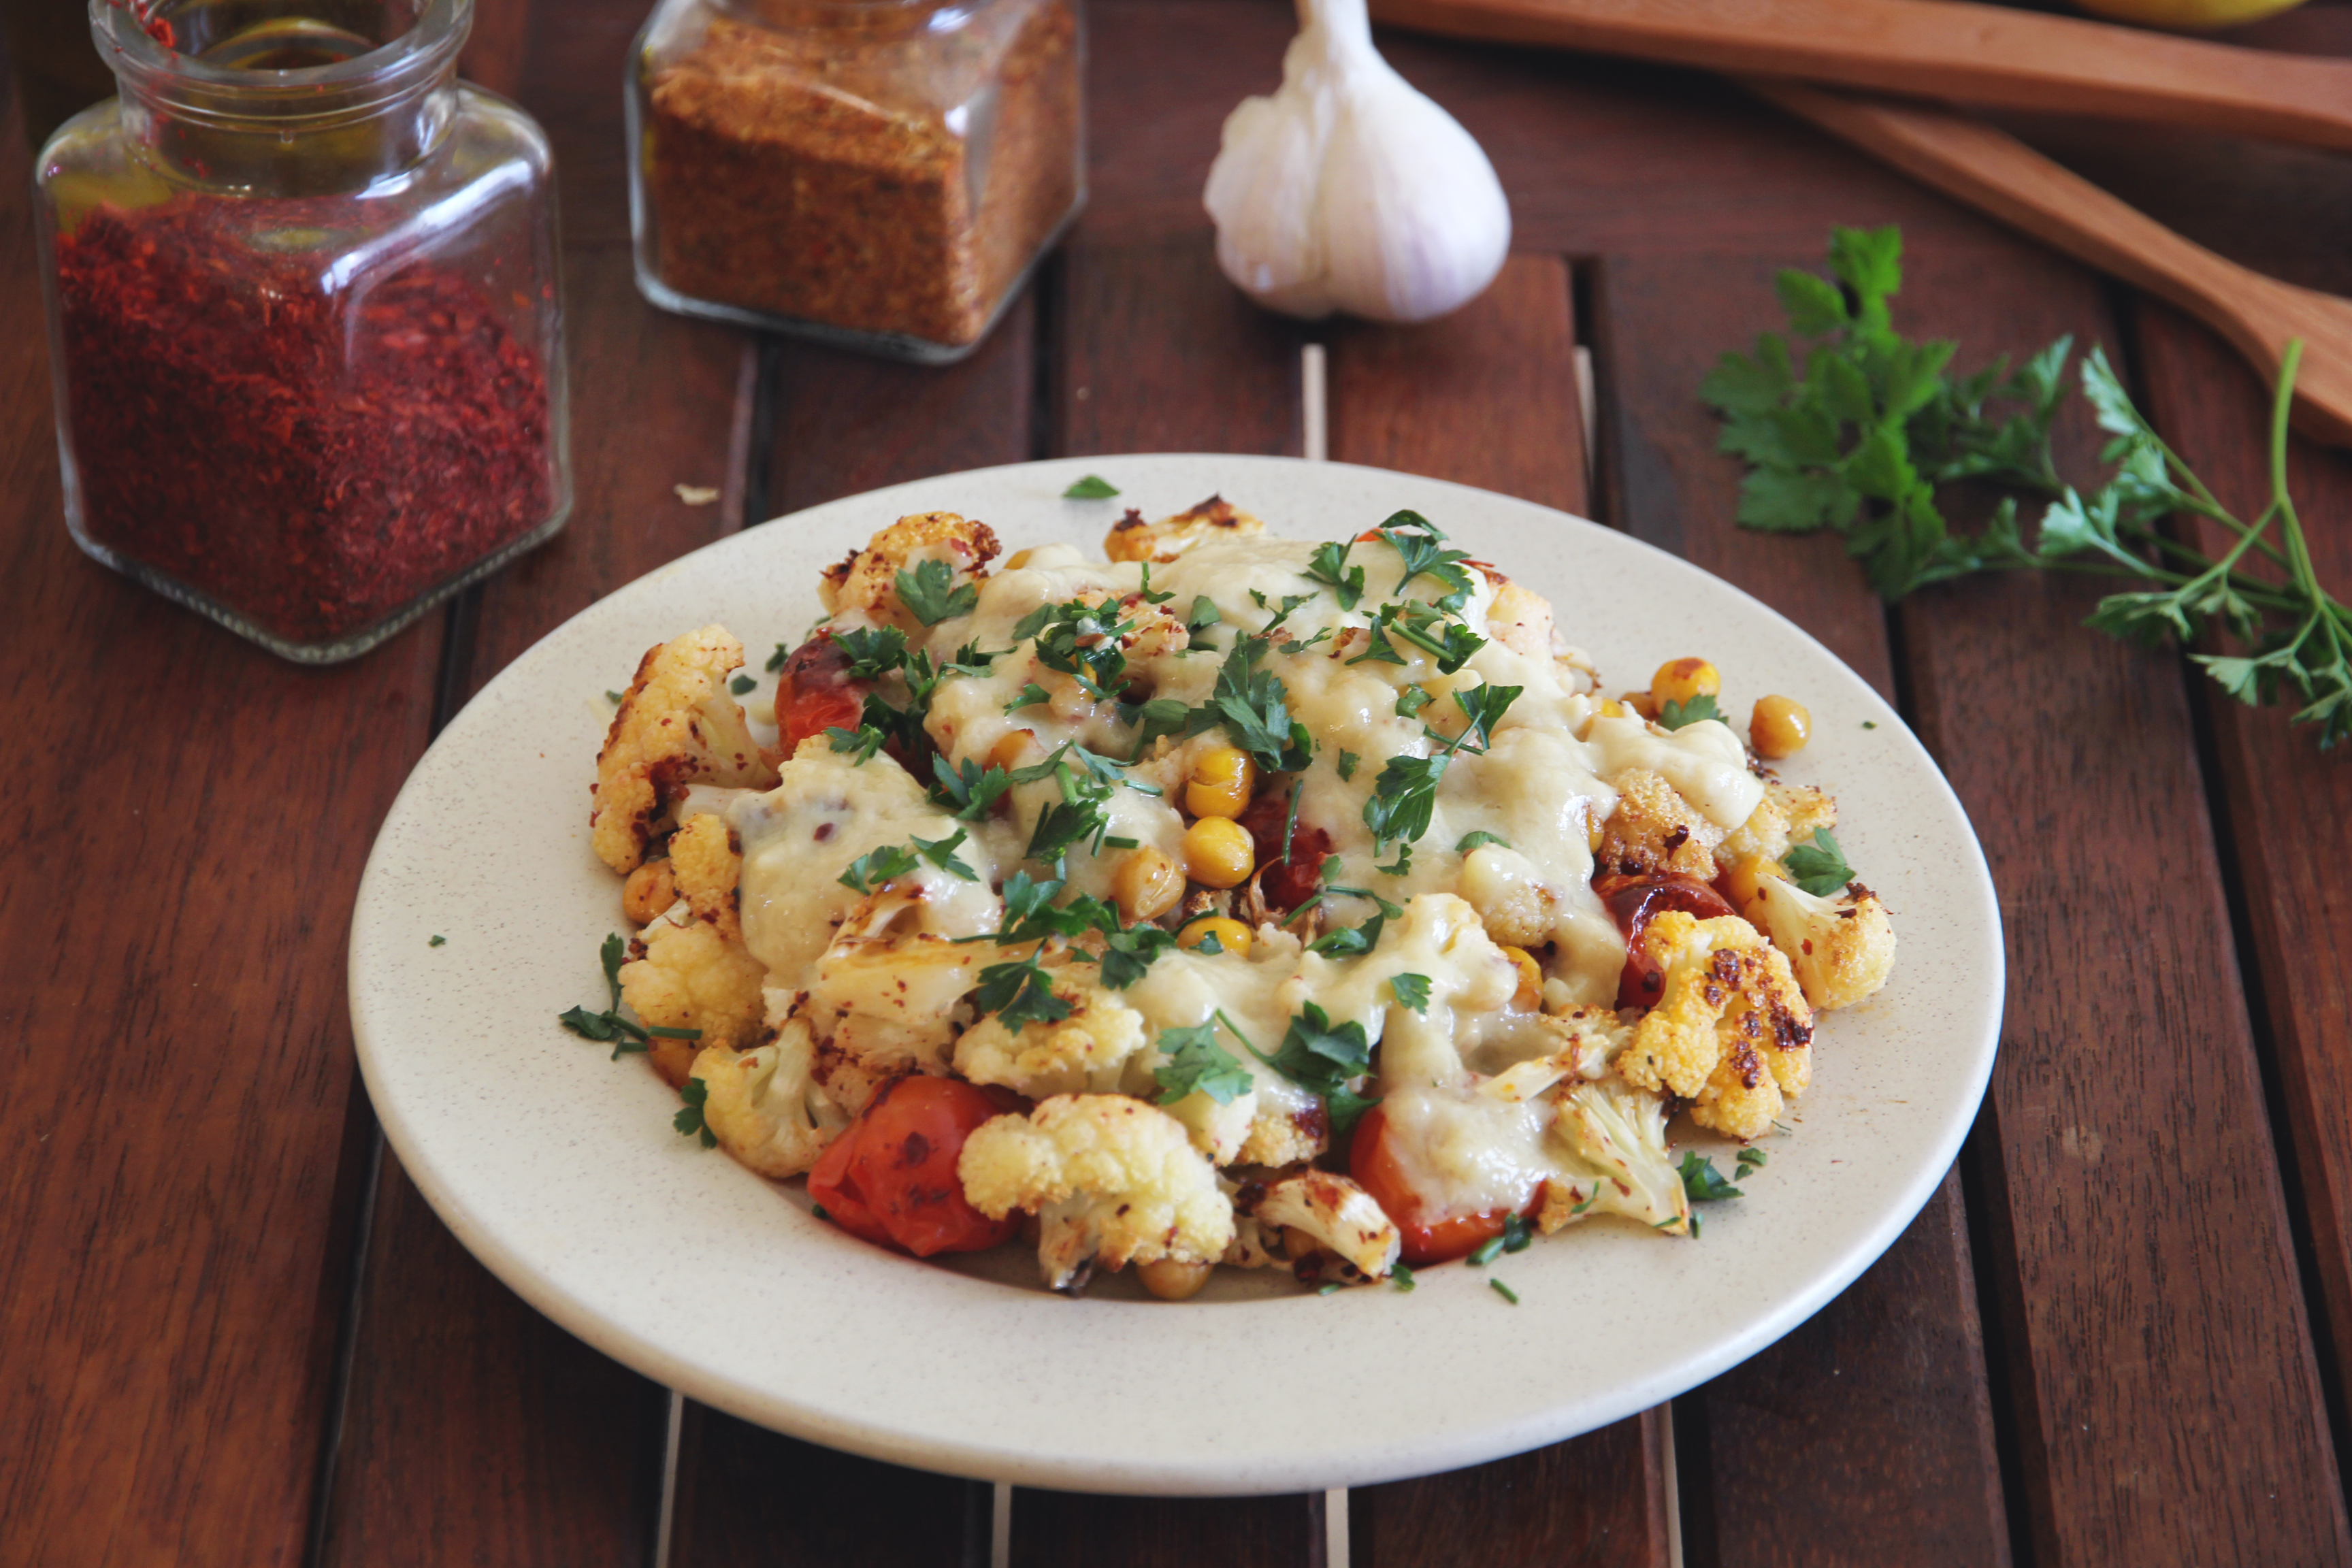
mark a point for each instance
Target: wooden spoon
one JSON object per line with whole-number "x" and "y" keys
{"x": 1936, "y": 48}
{"x": 1994, "y": 171}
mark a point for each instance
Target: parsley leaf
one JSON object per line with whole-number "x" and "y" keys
{"x": 1505, "y": 1291}
{"x": 1751, "y": 1159}
{"x": 1198, "y": 1064}
{"x": 1081, "y": 640}
{"x": 873, "y": 651}
{"x": 926, "y": 593}
{"x": 1204, "y": 614}
{"x": 1819, "y": 867}
{"x": 1411, "y": 991}
{"x": 1419, "y": 542}
{"x": 742, "y": 684}
{"x": 1347, "y": 765}
{"x": 1019, "y": 992}
{"x": 1093, "y": 486}
{"x": 942, "y": 852}
{"x": 1484, "y": 707}
{"x": 689, "y": 1122}
{"x": 1703, "y": 1181}
{"x": 1329, "y": 566}
{"x": 1470, "y": 841}
{"x": 1405, "y": 797}
{"x": 1517, "y": 1234}
{"x": 1410, "y": 700}
{"x": 866, "y": 739}
{"x": 1253, "y": 706}
{"x": 1674, "y": 715}
{"x": 1128, "y": 951}
{"x": 437, "y": 941}
{"x": 967, "y": 790}
{"x": 1322, "y": 1059}
{"x": 1029, "y": 696}
{"x": 877, "y": 865}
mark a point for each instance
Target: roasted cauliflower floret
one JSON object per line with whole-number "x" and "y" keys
{"x": 1132, "y": 539}
{"x": 705, "y": 864}
{"x": 1113, "y": 1181}
{"x": 1841, "y": 949}
{"x": 1787, "y": 816}
{"x": 692, "y": 977}
{"x": 764, "y": 1105}
{"x": 678, "y": 726}
{"x": 1284, "y": 1137}
{"x": 1085, "y": 1052}
{"x": 1731, "y": 1032}
{"x": 1519, "y": 619}
{"x": 867, "y": 578}
{"x": 1609, "y": 1141}
{"x": 1341, "y": 1216}
{"x": 1654, "y": 831}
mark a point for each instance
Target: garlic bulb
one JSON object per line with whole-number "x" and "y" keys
{"x": 1349, "y": 190}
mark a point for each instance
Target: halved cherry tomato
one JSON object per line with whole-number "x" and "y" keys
{"x": 1286, "y": 883}
{"x": 1633, "y": 902}
{"x": 891, "y": 1176}
{"x": 1372, "y": 1160}
{"x": 816, "y": 693}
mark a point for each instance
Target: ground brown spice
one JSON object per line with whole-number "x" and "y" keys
{"x": 813, "y": 173}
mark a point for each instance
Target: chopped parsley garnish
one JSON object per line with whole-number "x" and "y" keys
{"x": 776, "y": 659}
{"x": 608, "y": 1026}
{"x": 877, "y": 865}
{"x": 1080, "y": 641}
{"x": 1332, "y": 1288}
{"x": 1819, "y": 867}
{"x": 1346, "y": 765}
{"x": 1405, "y": 795}
{"x": 1402, "y": 863}
{"x": 742, "y": 684}
{"x": 865, "y": 740}
{"x": 942, "y": 852}
{"x": 1020, "y": 992}
{"x": 1198, "y": 1064}
{"x": 1128, "y": 951}
{"x": 1400, "y": 1276}
{"x": 1517, "y": 1234}
{"x": 1330, "y": 567}
{"x": 1204, "y": 614}
{"x": 1419, "y": 542}
{"x": 690, "y": 1121}
{"x": 967, "y": 790}
{"x": 873, "y": 651}
{"x": 1505, "y": 1291}
{"x": 1321, "y": 1059}
{"x": 1470, "y": 841}
{"x": 1486, "y": 1251}
{"x": 614, "y": 697}
{"x": 927, "y": 593}
{"x": 1411, "y": 991}
{"x": 1411, "y": 701}
{"x": 437, "y": 941}
{"x": 1870, "y": 723}
{"x": 1674, "y": 715}
{"x": 1750, "y": 1161}
{"x": 1029, "y": 696}
{"x": 1703, "y": 1181}
{"x": 1145, "y": 593}
{"x": 1253, "y": 706}
{"x": 1093, "y": 486}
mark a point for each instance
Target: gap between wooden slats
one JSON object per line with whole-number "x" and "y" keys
{"x": 2166, "y": 1403}
{"x": 1864, "y": 1436}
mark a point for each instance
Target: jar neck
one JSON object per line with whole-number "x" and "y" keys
{"x": 286, "y": 97}
{"x": 877, "y": 19}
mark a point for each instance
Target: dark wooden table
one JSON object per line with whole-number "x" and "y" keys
{"x": 232, "y": 1333}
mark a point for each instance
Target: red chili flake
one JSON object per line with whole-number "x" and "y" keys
{"x": 312, "y": 454}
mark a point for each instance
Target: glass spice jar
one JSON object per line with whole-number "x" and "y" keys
{"x": 304, "y": 315}
{"x": 881, "y": 174}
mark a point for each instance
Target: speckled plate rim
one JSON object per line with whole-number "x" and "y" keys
{"x": 558, "y": 1170}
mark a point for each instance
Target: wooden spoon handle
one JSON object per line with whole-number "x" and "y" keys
{"x": 1995, "y": 172}
{"x": 1940, "y": 48}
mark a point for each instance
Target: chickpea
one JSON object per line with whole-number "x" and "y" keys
{"x": 1224, "y": 779}
{"x": 1173, "y": 1280}
{"x": 1684, "y": 680}
{"x": 1147, "y": 884}
{"x": 1218, "y": 852}
{"x": 1779, "y": 727}
{"x": 1015, "y": 749}
{"x": 649, "y": 891}
{"x": 1231, "y": 934}
{"x": 1530, "y": 991}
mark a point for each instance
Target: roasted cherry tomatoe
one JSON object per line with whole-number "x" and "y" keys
{"x": 1374, "y": 1162}
{"x": 890, "y": 1178}
{"x": 1633, "y": 902}
{"x": 818, "y": 693}
{"x": 1288, "y": 883}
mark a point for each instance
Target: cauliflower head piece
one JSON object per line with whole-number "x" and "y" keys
{"x": 1841, "y": 949}
{"x": 1609, "y": 1139}
{"x": 764, "y": 1105}
{"x": 1132, "y": 539}
{"x": 706, "y": 866}
{"x": 1654, "y": 830}
{"x": 678, "y": 726}
{"x": 1086, "y": 1052}
{"x": 1345, "y": 1220}
{"x": 693, "y": 977}
{"x": 1731, "y": 1033}
{"x": 1787, "y": 815}
{"x": 1113, "y": 1181}
{"x": 867, "y": 580}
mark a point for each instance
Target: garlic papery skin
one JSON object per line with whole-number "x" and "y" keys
{"x": 1349, "y": 190}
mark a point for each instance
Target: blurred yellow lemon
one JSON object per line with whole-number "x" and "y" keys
{"x": 2189, "y": 16}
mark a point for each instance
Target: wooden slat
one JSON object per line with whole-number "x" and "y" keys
{"x": 475, "y": 1429}
{"x": 1865, "y": 1435}
{"x": 751, "y": 1499}
{"x": 1488, "y": 396}
{"x": 843, "y": 424}
{"x": 1073, "y": 1530}
{"x": 2289, "y": 805}
{"x": 2162, "y": 1375}
{"x": 188, "y": 820}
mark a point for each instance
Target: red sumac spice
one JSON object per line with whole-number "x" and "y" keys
{"x": 312, "y": 451}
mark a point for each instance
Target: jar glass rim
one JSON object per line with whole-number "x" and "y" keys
{"x": 398, "y": 68}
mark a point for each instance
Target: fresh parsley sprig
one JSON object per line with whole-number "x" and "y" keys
{"x": 931, "y": 594}
{"x": 609, "y": 1026}
{"x": 1323, "y": 1060}
{"x": 1819, "y": 868}
{"x": 1198, "y": 1064}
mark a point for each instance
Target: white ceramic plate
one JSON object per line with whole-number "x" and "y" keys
{"x": 559, "y": 1171}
